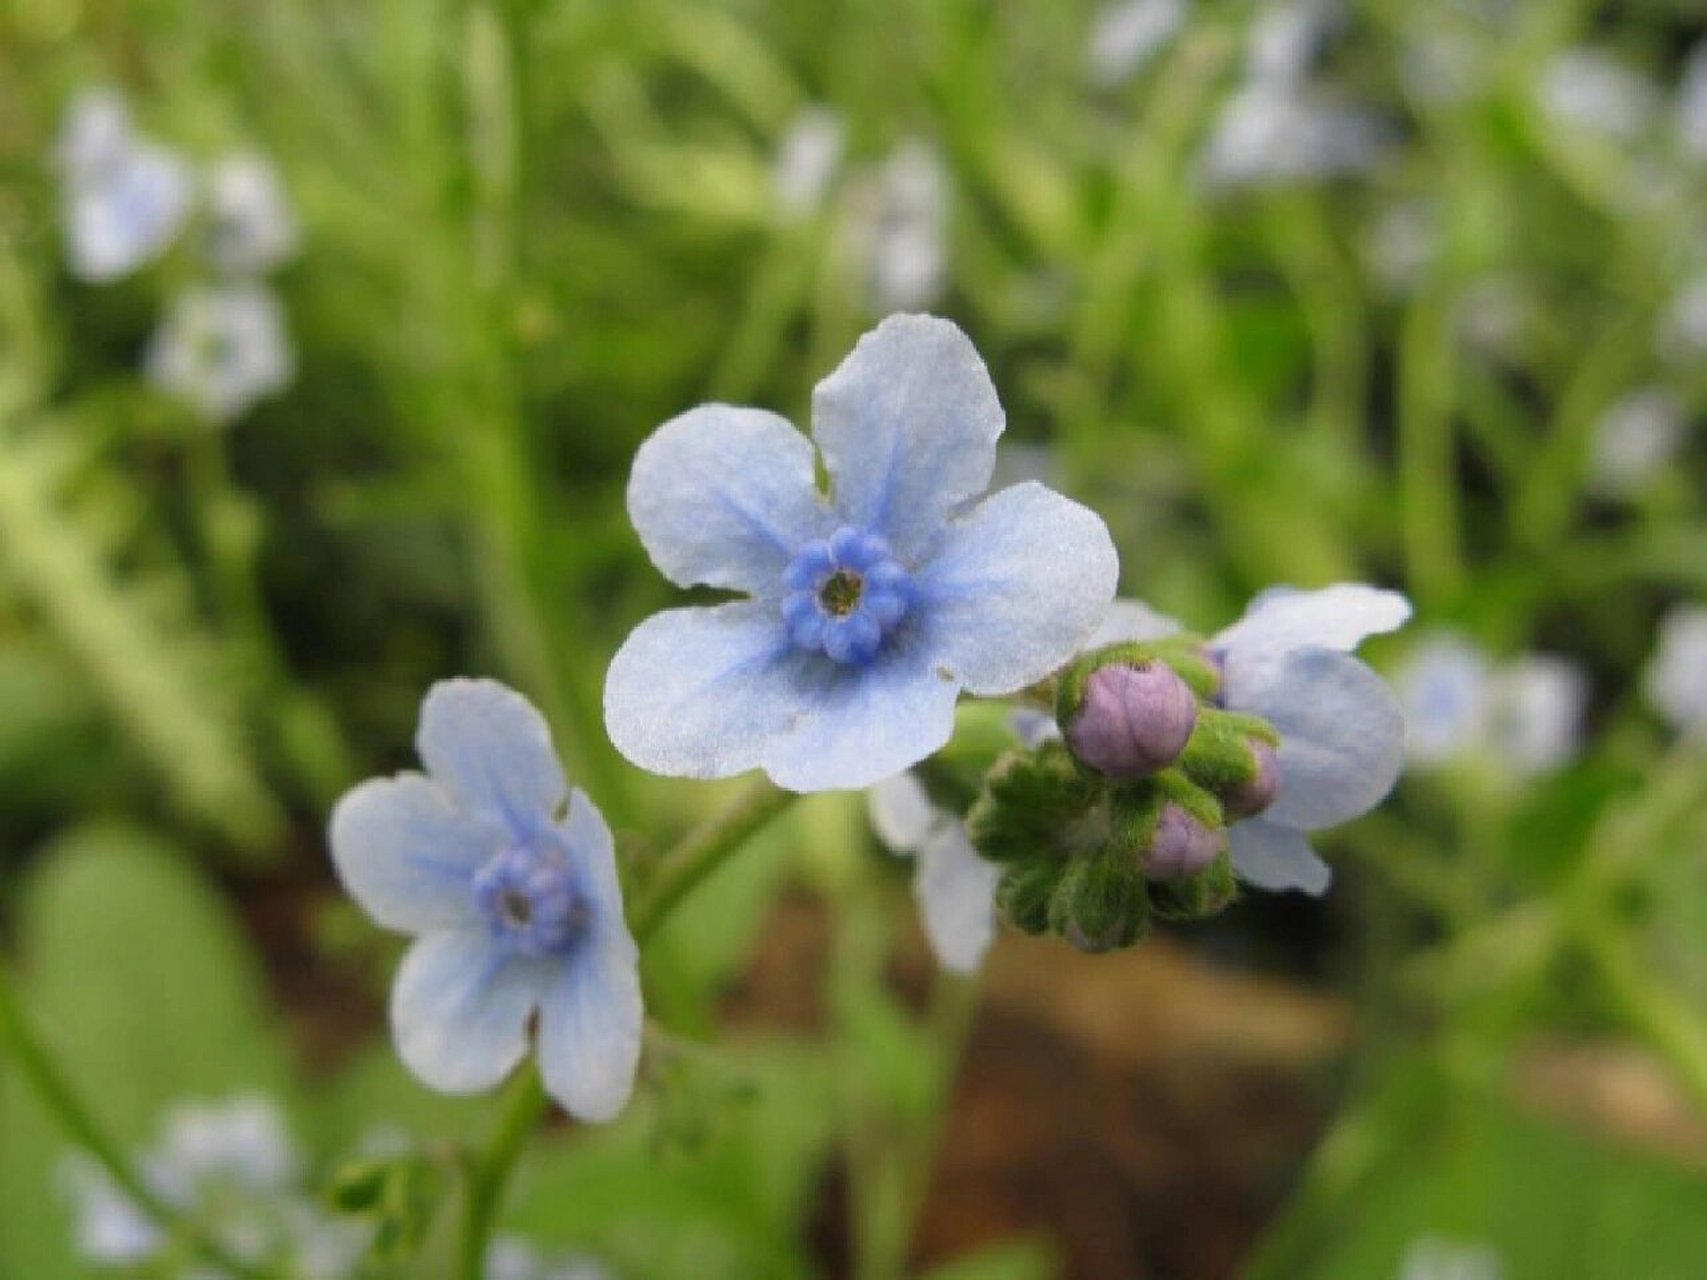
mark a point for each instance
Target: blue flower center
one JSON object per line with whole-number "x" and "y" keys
{"x": 846, "y": 593}
{"x": 530, "y": 902}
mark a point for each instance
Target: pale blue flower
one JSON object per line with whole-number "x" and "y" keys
{"x": 866, "y": 610}
{"x": 1434, "y": 1258}
{"x": 512, "y": 1258}
{"x": 1587, "y": 88}
{"x": 900, "y": 229}
{"x": 250, "y": 226}
{"x": 1273, "y": 133}
{"x": 509, "y": 882}
{"x": 1636, "y": 440}
{"x": 1288, "y": 660}
{"x": 222, "y": 348}
{"x": 954, "y": 887}
{"x": 125, "y": 198}
{"x": 1518, "y": 717}
{"x": 231, "y": 1168}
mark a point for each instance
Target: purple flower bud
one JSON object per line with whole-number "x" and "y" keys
{"x": 1134, "y": 720}
{"x": 1078, "y": 938}
{"x": 1182, "y": 846}
{"x": 1250, "y": 798}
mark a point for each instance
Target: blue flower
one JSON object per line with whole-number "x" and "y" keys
{"x": 510, "y": 882}
{"x": 866, "y": 611}
{"x": 222, "y": 348}
{"x": 125, "y": 198}
{"x": 1342, "y": 735}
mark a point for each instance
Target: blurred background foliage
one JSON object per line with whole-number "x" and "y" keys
{"x": 534, "y": 229}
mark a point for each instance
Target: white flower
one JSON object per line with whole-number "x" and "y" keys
{"x": 807, "y": 159}
{"x": 1683, "y": 331}
{"x": 1677, "y": 674}
{"x": 1126, "y": 35}
{"x": 512, "y": 1258}
{"x": 1588, "y": 89}
{"x": 250, "y": 225}
{"x": 1273, "y": 132}
{"x": 1402, "y": 244}
{"x": 243, "y": 1140}
{"x": 1537, "y": 711}
{"x": 954, "y": 887}
{"x": 222, "y": 348}
{"x": 900, "y": 229}
{"x": 1690, "y": 115}
{"x": 1635, "y": 440}
{"x": 1431, "y": 1258}
{"x": 1286, "y": 39}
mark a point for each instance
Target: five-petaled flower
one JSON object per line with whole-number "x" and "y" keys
{"x": 1342, "y": 735}
{"x": 866, "y": 610}
{"x": 510, "y": 881}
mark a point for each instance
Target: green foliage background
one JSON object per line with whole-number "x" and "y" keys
{"x": 535, "y": 229}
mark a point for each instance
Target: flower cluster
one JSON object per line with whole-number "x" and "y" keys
{"x": 222, "y": 345}
{"x": 231, "y": 1170}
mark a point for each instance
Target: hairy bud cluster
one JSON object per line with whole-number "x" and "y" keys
{"x": 1124, "y": 819}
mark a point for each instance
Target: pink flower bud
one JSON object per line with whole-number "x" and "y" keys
{"x": 1182, "y": 846}
{"x": 1252, "y": 797}
{"x": 1134, "y": 720}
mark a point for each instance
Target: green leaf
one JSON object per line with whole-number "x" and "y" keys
{"x": 139, "y": 980}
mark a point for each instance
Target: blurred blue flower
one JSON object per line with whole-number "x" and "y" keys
{"x": 866, "y": 611}
{"x": 222, "y": 348}
{"x": 512, "y": 1258}
{"x": 509, "y": 881}
{"x": 1434, "y": 1258}
{"x": 1518, "y": 717}
{"x": 954, "y": 887}
{"x": 1126, "y": 35}
{"x": 125, "y": 198}
{"x": 232, "y": 1169}
{"x": 1288, "y": 660}
{"x": 807, "y": 158}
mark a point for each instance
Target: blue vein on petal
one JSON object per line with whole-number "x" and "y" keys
{"x": 755, "y": 523}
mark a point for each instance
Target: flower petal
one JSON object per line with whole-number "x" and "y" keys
{"x": 697, "y": 693}
{"x": 459, "y": 1010}
{"x": 589, "y": 1028}
{"x": 956, "y": 893}
{"x": 1019, "y": 585}
{"x": 859, "y": 725}
{"x": 593, "y": 851}
{"x": 1342, "y": 735}
{"x": 1338, "y": 617}
{"x": 491, "y": 750}
{"x": 1129, "y": 621}
{"x": 902, "y": 814}
{"x": 1274, "y": 857}
{"x": 907, "y": 425}
{"x": 725, "y": 496}
{"x": 406, "y": 854}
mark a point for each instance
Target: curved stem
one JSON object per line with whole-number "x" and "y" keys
{"x": 56, "y": 1093}
{"x": 698, "y": 853}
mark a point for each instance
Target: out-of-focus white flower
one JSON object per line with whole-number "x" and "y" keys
{"x": 1691, "y": 112}
{"x": 1677, "y": 674}
{"x": 1537, "y": 710}
{"x": 1588, "y": 89}
{"x": 1432, "y": 1258}
{"x": 1524, "y": 715}
{"x": 1403, "y": 243}
{"x": 908, "y": 236}
{"x": 222, "y": 348}
{"x": 125, "y": 199}
{"x": 1683, "y": 331}
{"x": 107, "y": 1228}
{"x": 1287, "y": 38}
{"x": 251, "y": 228}
{"x": 512, "y": 1258}
{"x": 1271, "y": 133}
{"x": 1495, "y": 314}
{"x": 1635, "y": 439}
{"x": 1126, "y": 35}
{"x": 807, "y": 158}
{"x": 243, "y": 1140}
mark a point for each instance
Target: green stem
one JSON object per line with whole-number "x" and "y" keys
{"x": 703, "y": 850}
{"x": 525, "y": 1104}
{"x": 37, "y": 1066}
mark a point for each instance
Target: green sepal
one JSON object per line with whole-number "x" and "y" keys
{"x": 1025, "y": 892}
{"x": 1029, "y": 799}
{"x": 1100, "y": 903}
{"x": 1218, "y": 757}
{"x": 1197, "y": 897}
{"x": 954, "y": 776}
